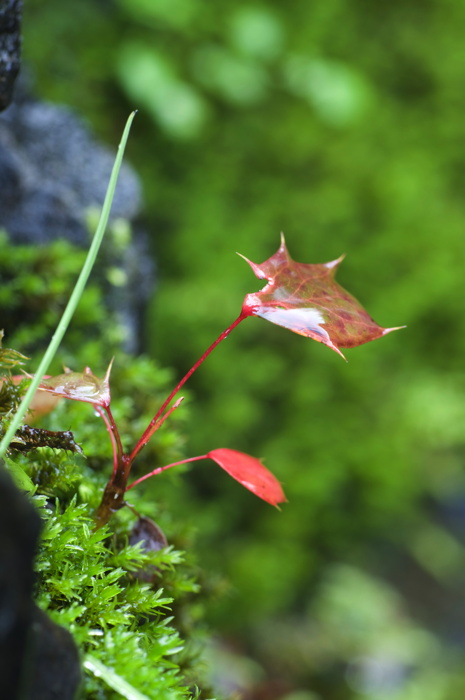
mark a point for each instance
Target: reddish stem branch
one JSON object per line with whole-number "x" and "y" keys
{"x": 162, "y": 469}
{"x": 111, "y": 433}
{"x": 157, "y": 419}
{"x": 115, "y": 432}
{"x": 114, "y": 492}
{"x": 117, "y": 447}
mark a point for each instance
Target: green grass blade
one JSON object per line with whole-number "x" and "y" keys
{"x": 75, "y": 296}
{"x": 111, "y": 678}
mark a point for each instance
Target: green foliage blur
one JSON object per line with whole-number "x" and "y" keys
{"x": 340, "y": 124}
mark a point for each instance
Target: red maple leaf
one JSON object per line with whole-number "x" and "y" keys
{"x": 307, "y": 300}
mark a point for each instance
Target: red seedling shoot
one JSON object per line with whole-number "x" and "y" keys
{"x": 301, "y": 297}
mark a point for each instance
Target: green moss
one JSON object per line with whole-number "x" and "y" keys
{"x": 86, "y": 583}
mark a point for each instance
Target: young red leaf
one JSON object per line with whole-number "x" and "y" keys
{"x": 80, "y": 386}
{"x": 306, "y": 299}
{"x": 251, "y": 473}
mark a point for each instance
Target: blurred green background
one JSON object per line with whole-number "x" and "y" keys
{"x": 341, "y": 124}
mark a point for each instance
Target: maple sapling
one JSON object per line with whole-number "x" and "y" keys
{"x": 301, "y": 297}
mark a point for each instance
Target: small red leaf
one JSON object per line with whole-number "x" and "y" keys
{"x": 251, "y": 473}
{"x": 306, "y": 300}
{"x": 80, "y": 386}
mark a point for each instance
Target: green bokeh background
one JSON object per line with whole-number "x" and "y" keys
{"x": 341, "y": 124}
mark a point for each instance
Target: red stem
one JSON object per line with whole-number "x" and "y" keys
{"x": 118, "y": 454}
{"x": 156, "y": 422}
{"x": 162, "y": 469}
{"x": 111, "y": 433}
{"x": 114, "y": 492}
{"x": 114, "y": 432}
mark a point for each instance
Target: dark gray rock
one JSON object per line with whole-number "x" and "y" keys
{"x": 38, "y": 658}
{"x": 52, "y": 171}
{"x": 55, "y": 668}
{"x": 10, "y": 48}
{"x": 19, "y": 531}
